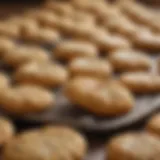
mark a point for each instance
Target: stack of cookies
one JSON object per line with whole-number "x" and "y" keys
{"x": 100, "y": 54}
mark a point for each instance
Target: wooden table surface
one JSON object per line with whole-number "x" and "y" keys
{"x": 96, "y": 141}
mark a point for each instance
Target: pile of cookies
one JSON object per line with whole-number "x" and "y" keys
{"x": 101, "y": 54}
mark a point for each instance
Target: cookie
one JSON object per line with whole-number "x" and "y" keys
{"x": 9, "y": 29}
{"x": 141, "y": 82}
{"x": 153, "y": 125}
{"x": 135, "y": 146}
{"x": 24, "y": 54}
{"x": 7, "y": 130}
{"x": 25, "y": 99}
{"x": 51, "y": 143}
{"x": 92, "y": 67}
{"x": 70, "y": 49}
{"x": 45, "y": 74}
{"x": 145, "y": 39}
{"x": 139, "y": 13}
{"x": 5, "y": 44}
{"x": 107, "y": 42}
{"x": 130, "y": 60}
{"x": 40, "y": 35}
{"x": 115, "y": 24}
{"x": 100, "y": 97}
{"x": 59, "y": 8}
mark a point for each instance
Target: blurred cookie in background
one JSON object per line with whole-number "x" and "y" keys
{"x": 130, "y": 60}
{"x": 45, "y": 74}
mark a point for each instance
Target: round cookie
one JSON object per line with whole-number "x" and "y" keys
{"x": 45, "y": 74}
{"x": 130, "y": 60}
{"x": 7, "y": 130}
{"x": 51, "y": 143}
{"x": 25, "y": 99}
{"x": 100, "y": 97}
{"x": 70, "y": 49}
{"x": 135, "y": 146}
{"x": 24, "y": 54}
{"x": 91, "y": 67}
{"x": 141, "y": 82}
{"x": 153, "y": 125}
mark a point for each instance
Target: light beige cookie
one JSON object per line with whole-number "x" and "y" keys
{"x": 141, "y": 82}
{"x": 45, "y": 74}
{"x": 7, "y": 130}
{"x": 50, "y": 143}
{"x": 5, "y": 44}
{"x": 25, "y": 99}
{"x": 135, "y": 146}
{"x": 147, "y": 40}
{"x": 101, "y": 97}
{"x": 25, "y": 53}
{"x": 92, "y": 67}
{"x": 130, "y": 60}
{"x": 70, "y": 49}
{"x": 153, "y": 125}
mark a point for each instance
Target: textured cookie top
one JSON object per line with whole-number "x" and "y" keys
{"x": 67, "y": 50}
{"x": 23, "y": 54}
{"x": 137, "y": 146}
{"x": 99, "y": 96}
{"x": 130, "y": 60}
{"x": 90, "y": 67}
{"x": 51, "y": 143}
{"x": 45, "y": 74}
{"x": 26, "y": 99}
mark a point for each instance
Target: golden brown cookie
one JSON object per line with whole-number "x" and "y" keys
{"x": 40, "y": 35}
{"x": 45, "y": 74}
{"x": 107, "y": 42}
{"x": 134, "y": 146}
{"x": 121, "y": 24}
{"x": 50, "y": 143}
{"x": 25, "y": 99}
{"x": 101, "y": 97}
{"x": 130, "y": 60}
{"x": 5, "y": 44}
{"x": 70, "y": 49}
{"x": 153, "y": 125}
{"x": 7, "y": 130}
{"x": 24, "y": 54}
{"x": 141, "y": 82}
{"x": 9, "y": 29}
{"x": 92, "y": 67}
{"x": 147, "y": 40}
